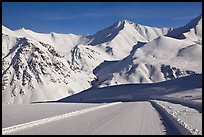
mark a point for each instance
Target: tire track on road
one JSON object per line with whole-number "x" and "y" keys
{"x": 35, "y": 123}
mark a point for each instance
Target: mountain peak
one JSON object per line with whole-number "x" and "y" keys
{"x": 21, "y": 29}
{"x": 123, "y": 22}
{"x": 128, "y": 21}
{"x": 118, "y": 24}
{"x": 46, "y": 67}
{"x": 193, "y": 24}
{"x": 195, "y": 21}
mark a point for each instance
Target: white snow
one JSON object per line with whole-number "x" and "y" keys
{"x": 150, "y": 62}
{"x": 62, "y": 42}
{"x": 190, "y": 118}
{"x": 44, "y": 67}
{"x": 191, "y": 95}
{"x": 126, "y": 62}
{"x": 102, "y": 83}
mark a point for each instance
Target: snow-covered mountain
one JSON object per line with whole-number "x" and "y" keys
{"x": 42, "y": 67}
{"x": 61, "y": 42}
{"x": 192, "y": 30}
{"x": 163, "y": 58}
{"x": 36, "y": 71}
{"x": 119, "y": 38}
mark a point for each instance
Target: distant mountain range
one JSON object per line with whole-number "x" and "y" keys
{"x": 48, "y": 67}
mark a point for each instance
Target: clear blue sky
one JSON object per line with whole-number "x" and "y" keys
{"x": 90, "y": 17}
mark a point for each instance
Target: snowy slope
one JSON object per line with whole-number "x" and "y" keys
{"x": 140, "y": 91}
{"x": 123, "y": 109}
{"x": 192, "y": 30}
{"x": 61, "y": 42}
{"x": 160, "y": 59}
{"x": 40, "y": 67}
{"x": 119, "y": 38}
{"x": 34, "y": 71}
{"x": 112, "y": 43}
{"x": 188, "y": 117}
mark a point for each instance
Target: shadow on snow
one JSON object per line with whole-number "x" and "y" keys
{"x": 140, "y": 92}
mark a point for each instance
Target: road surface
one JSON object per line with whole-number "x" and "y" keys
{"x": 126, "y": 118}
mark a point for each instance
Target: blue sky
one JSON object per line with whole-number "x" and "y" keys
{"x": 90, "y": 17}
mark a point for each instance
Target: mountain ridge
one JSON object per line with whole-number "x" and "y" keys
{"x": 47, "y": 67}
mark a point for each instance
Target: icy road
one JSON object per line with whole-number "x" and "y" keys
{"x": 120, "y": 118}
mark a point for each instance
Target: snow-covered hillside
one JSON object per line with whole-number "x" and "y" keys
{"x": 192, "y": 30}
{"x": 119, "y": 38}
{"x": 62, "y": 42}
{"x": 42, "y": 67}
{"x": 36, "y": 71}
{"x": 161, "y": 59}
